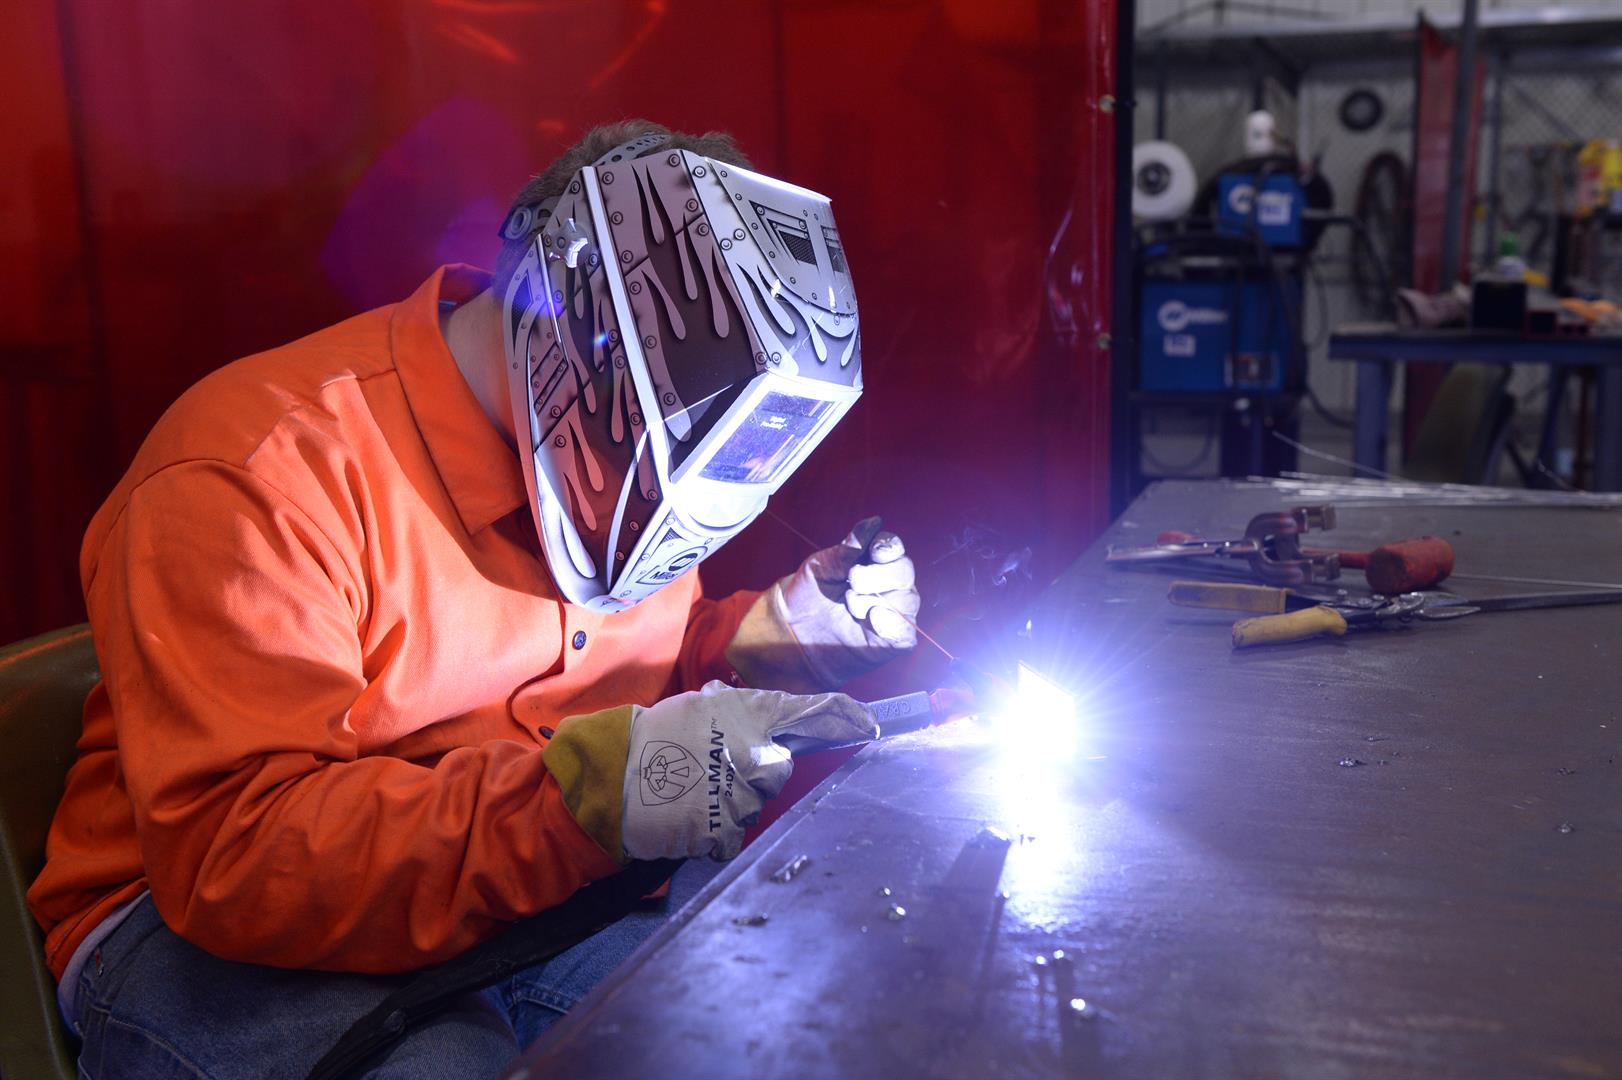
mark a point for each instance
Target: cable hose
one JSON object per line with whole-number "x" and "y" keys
{"x": 523, "y": 944}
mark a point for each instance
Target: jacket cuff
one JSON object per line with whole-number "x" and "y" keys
{"x": 587, "y": 758}
{"x": 766, "y": 654}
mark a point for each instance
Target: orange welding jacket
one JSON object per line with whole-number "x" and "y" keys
{"x": 331, "y": 654}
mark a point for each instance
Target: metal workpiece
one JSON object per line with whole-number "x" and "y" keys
{"x": 1390, "y": 856}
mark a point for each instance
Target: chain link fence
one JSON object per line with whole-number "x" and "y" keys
{"x": 1548, "y": 116}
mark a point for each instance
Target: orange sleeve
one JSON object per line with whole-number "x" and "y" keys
{"x": 711, "y": 625}
{"x": 226, "y": 625}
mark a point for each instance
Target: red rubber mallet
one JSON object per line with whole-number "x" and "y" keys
{"x": 1405, "y": 566}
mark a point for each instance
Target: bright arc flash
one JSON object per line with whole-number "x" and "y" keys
{"x": 1043, "y": 719}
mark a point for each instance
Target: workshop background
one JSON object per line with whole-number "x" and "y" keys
{"x": 1550, "y": 83}
{"x": 192, "y": 182}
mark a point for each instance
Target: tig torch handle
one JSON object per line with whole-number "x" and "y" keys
{"x": 895, "y": 716}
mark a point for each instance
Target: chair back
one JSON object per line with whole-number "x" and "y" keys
{"x": 43, "y": 685}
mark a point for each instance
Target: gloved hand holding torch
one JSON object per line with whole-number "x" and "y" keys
{"x": 686, "y": 776}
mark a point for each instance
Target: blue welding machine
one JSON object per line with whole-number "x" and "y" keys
{"x": 1268, "y": 206}
{"x": 1229, "y": 335}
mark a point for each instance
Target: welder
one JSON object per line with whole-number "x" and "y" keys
{"x": 401, "y": 630}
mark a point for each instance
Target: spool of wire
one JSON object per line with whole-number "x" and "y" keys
{"x": 1163, "y": 182}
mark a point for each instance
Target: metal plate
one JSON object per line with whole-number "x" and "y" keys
{"x": 1393, "y": 854}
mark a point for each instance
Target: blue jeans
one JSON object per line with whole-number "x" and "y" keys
{"x": 151, "y": 1004}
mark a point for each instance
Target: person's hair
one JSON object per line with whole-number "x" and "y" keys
{"x": 597, "y": 142}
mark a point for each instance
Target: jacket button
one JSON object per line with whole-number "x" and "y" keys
{"x": 580, "y": 639}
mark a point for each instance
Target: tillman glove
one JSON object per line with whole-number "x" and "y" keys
{"x": 685, "y": 777}
{"x": 849, "y": 609}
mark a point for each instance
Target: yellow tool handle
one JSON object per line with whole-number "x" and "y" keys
{"x": 1209, "y": 594}
{"x": 1296, "y": 626}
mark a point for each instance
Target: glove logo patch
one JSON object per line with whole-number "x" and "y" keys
{"x": 668, "y": 772}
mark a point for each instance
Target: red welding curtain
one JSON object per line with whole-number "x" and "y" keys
{"x": 196, "y": 181}
{"x": 1434, "y": 98}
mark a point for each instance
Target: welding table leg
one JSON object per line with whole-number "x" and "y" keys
{"x": 1258, "y": 437}
{"x": 1608, "y": 429}
{"x": 1373, "y": 408}
{"x": 1553, "y": 404}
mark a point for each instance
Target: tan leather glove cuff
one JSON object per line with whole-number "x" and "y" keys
{"x": 587, "y": 757}
{"x": 765, "y": 651}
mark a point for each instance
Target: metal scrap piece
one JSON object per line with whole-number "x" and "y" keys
{"x": 990, "y": 838}
{"x": 791, "y": 869}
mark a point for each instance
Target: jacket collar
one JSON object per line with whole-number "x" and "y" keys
{"x": 478, "y": 467}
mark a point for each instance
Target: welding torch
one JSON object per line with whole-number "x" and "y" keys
{"x": 896, "y": 716}
{"x": 921, "y": 709}
{"x": 918, "y": 710}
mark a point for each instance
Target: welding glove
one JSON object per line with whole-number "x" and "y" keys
{"x": 848, "y": 609}
{"x": 684, "y": 777}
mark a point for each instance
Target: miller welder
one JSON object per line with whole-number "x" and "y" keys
{"x": 1217, "y": 313}
{"x": 1213, "y": 331}
{"x": 1220, "y": 310}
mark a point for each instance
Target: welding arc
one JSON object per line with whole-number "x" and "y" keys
{"x": 814, "y": 546}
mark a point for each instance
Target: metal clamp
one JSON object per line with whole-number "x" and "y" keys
{"x": 1278, "y": 559}
{"x": 1271, "y": 545}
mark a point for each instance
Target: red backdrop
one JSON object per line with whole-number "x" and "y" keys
{"x": 195, "y": 181}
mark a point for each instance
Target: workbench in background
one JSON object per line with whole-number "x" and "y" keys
{"x": 1377, "y": 349}
{"x": 1392, "y": 854}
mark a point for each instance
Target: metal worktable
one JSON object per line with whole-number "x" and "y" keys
{"x": 1376, "y": 348}
{"x": 1394, "y": 854}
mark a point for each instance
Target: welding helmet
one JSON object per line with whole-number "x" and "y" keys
{"x": 680, "y": 335}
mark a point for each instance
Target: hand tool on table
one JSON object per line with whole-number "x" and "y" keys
{"x": 1403, "y": 566}
{"x": 1285, "y": 615}
{"x": 1271, "y": 545}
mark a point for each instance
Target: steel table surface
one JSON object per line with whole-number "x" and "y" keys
{"x": 1232, "y": 900}
{"x": 1376, "y": 348}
